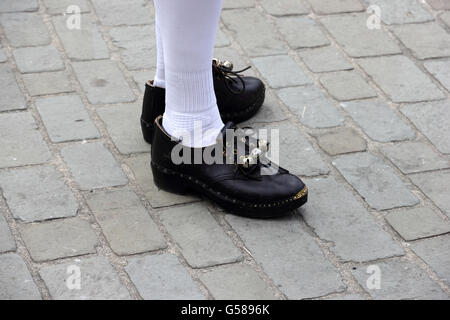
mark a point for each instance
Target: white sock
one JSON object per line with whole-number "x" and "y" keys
{"x": 160, "y": 78}
{"x": 188, "y": 31}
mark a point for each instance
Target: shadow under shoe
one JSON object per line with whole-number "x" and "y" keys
{"x": 240, "y": 189}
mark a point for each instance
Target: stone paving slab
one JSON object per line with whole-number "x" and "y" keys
{"x": 440, "y": 70}
{"x": 7, "y": 242}
{"x": 61, "y": 6}
{"x": 336, "y": 216}
{"x": 435, "y": 185}
{"x": 285, "y": 7}
{"x": 118, "y": 12}
{"x": 93, "y": 166}
{"x": 31, "y": 149}
{"x": 399, "y": 280}
{"x": 201, "y": 240}
{"x": 281, "y": 71}
{"x": 311, "y": 107}
{"x": 24, "y": 29}
{"x": 335, "y": 6}
{"x": 357, "y": 40}
{"x": 401, "y": 79}
{"x": 434, "y": 252}
{"x": 68, "y": 238}
{"x": 415, "y": 156}
{"x": 103, "y": 82}
{"x": 19, "y": 5}
{"x": 85, "y": 43}
{"x": 279, "y": 246}
{"x": 401, "y": 11}
{"x": 125, "y": 222}
{"x": 439, "y": 4}
{"x": 66, "y": 118}
{"x": 340, "y": 141}
{"x": 11, "y": 98}
{"x": 122, "y": 123}
{"x": 347, "y": 85}
{"x": 161, "y": 277}
{"x": 45, "y": 83}
{"x": 37, "y": 193}
{"x": 425, "y": 40}
{"x": 98, "y": 280}
{"x": 15, "y": 279}
{"x": 236, "y": 282}
{"x": 43, "y": 59}
{"x": 310, "y": 37}
{"x": 375, "y": 181}
{"x": 379, "y": 121}
{"x": 244, "y": 24}
{"x": 325, "y": 59}
{"x": 417, "y": 223}
{"x": 433, "y": 119}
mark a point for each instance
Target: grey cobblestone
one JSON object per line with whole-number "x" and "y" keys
{"x": 137, "y": 46}
{"x": 417, "y": 223}
{"x": 3, "y": 57}
{"x": 68, "y": 238}
{"x": 433, "y": 119}
{"x": 375, "y": 181}
{"x": 401, "y": 79}
{"x": 234, "y": 4}
{"x": 61, "y": 6}
{"x": 7, "y": 242}
{"x": 435, "y": 185}
{"x": 11, "y": 98}
{"x": 19, "y": 5}
{"x": 15, "y": 279}
{"x": 335, "y": 6}
{"x": 37, "y": 193}
{"x": 378, "y": 120}
{"x": 47, "y": 83}
{"x": 434, "y": 252}
{"x": 140, "y": 165}
{"x": 38, "y": 59}
{"x": 93, "y": 166}
{"x": 31, "y": 149}
{"x": 415, "y": 156}
{"x": 98, "y": 281}
{"x": 103, "y": 82}
{"x": 122, "y": 123}
{"x": 279, "y": 246}
{"x": 400, "y": 280}
{"x": 125, "y": 222}
{"x": 24, "y": 29}
{"x": 439, "y": 4}
{"x": 401, "y": 11}
{"x": 201, "y": 240}
{"x": 281, "y": 71}
{"x": 245, "y": 24}
{"x": 425, "y": 40}
{"x": 270, "y": 111}
{"x": 329, "y": 212}
{"x": 118, "y": 12}
{"x": 161, "y": 277}
{"x": 311, "y": 106}
{"x": 347, "y": 85}
{"x": 357, "y": 40}
{"x": 85, "y": 43}
{"x": 66, "y": 118}
{"x": 446, "y": 18}
{"x": 341, "y": 140}
{"x": 325, "y": 59}
{"x": 310, "y": 37}
{"x": 285, "y": 7}
{"x": 440, "y": 70}
{"x": 236, "y": 282}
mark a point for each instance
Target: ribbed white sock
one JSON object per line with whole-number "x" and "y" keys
{"x": 160, "y": 78}
{"x": 188, "y": 30}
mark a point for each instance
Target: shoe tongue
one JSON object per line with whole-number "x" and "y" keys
{"x": 223, "y": 133}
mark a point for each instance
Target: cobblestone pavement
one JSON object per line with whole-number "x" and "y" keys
{"x": 364, "y": 116}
